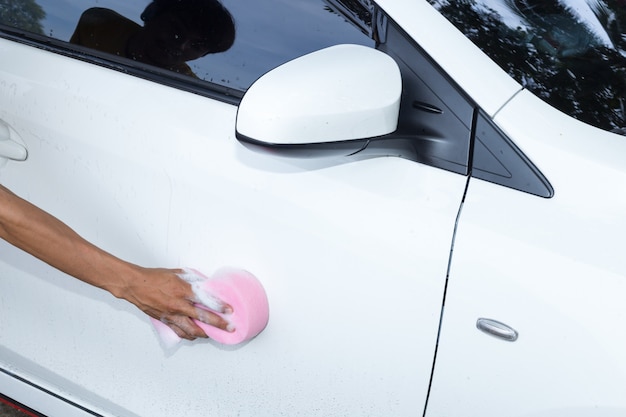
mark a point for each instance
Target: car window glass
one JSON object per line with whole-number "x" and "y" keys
{"x": 570, "y": 53}
{"x": 231, "y": 45}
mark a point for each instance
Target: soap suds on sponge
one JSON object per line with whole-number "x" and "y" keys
{"x": 196, "y": 280}
{"x": 235, "y": 287}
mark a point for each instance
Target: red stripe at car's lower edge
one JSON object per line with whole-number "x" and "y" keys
{"x": 19, "y": 407}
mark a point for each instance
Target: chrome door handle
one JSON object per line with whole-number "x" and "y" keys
{"x": 497, "y": 329}
{"x": 9, "y": 148}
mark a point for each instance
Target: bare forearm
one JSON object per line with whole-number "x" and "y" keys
{"x": 47, "y": 238}
{"x": 160, "y": 293}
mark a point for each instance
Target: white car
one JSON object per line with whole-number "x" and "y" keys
{"x": 434, "y": 237}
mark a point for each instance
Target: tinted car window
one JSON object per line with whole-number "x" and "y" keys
{"x": 266, "y": 33}
{"x": 569, "y": 53}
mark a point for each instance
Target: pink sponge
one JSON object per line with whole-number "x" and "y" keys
{"x": 236, "y": 287}
{"x": 246, "y": 296}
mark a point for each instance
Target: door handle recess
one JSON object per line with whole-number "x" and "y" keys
{"x": 9, "y": 148}
{"x": 497, "y": 329}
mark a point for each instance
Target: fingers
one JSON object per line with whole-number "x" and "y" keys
{"x": 185, "y": 328}
{"x": 183, "y": 315}
{"x": 209, "y": 300}
{"x": 181, "y": 301}
{"x": 213, "y": 319}
{"x": 200, "y": 296}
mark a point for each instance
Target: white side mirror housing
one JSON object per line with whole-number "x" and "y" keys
{"x": 335, "y": 98}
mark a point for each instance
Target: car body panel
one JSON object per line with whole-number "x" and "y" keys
{"x": 358, "y": 255}
{"x": 353, "y": 254}
{"x": 488, "y": 85}
{"x": 552, "y": 269}
{"x": 28, "y": 389}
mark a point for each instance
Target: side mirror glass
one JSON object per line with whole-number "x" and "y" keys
{"x": 329, "y": 102}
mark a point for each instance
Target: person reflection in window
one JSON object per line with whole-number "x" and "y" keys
{"x": 174, "y": 32}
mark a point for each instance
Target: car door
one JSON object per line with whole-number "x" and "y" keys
{"x": 544, "y": 276}
{"x": 143, "y": 162}
{"x": 534, "y": 312}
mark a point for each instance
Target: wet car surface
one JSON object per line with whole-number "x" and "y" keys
{"x": 429, "y": 191}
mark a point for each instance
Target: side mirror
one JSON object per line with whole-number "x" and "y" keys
{"x": 330, "y": 102}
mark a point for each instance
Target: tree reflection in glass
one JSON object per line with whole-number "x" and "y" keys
{"x": 570, "y": 55}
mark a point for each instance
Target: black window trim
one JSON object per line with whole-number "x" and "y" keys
{"x": 124, "y": 65}
{"x": 531, "y": 181}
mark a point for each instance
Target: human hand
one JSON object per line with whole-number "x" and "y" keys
{"x": 165, "y": 296}
{"x": 160, "y": 293}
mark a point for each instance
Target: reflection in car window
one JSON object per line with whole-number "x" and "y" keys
{"x": 265, "y": 33}
{"x": 571, "y": 54}
{"x": 173, "y": 33}
{"x": 27, "y": 15}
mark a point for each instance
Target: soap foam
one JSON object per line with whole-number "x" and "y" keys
{"x": 204, "y": 298}
{"x": 235, "y": 287}
{"x": 245, "y": 294}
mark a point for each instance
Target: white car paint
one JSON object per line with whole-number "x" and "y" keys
{"x": 553, "y": 269}
{"x": 308, "y": 101}
{"x": 55, "y": 405}
{"x": 458, "y": 56}
{"x": 353, "y": 255}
